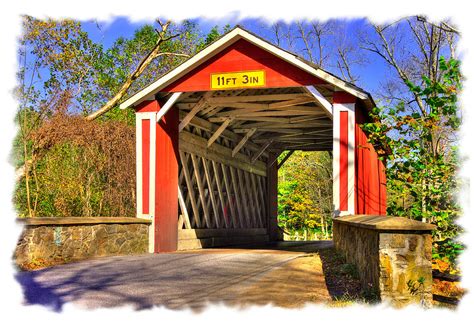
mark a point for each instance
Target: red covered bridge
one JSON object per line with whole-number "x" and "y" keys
{"x": 209, "y": 133}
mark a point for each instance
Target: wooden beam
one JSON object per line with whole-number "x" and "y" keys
{"x": 268, "y": 113}
{"x": 260, "y": 152}
{"x": 327, "y": 106}
{"x": 189, "y": 185}
{"x": 296, "y": 101}
{"x": 285, "y": 158}
{"x": 269, "y": 136}
{"x": 197, "y": 145}
{"x": 209, "y": 233}
{"x": 245, "y": 198}
{"x": 218, "y": 132}
{"x": 231, "y": 201}
{"x": 227, "y": 134}
{"x": 272, "y": 130}
{"x": 257, "y": 98}
{"x": 283, "y": 120}
{"x": 306, "y": 118}
{"x": 243, "y": 141}
{"x": 221, "y": 194}
{"x": 210, "y": 185}
{"x": 242, "y": 105}
{"x": 184, "y": 210}
{"x": 260, "y": 182}
{"x": 272, "y": 161}
{"x": 270, "y": 125}
{"x": 174, "y": 97}
{"x": 201, "y": 103}
{"x": 212, "y": 112}
{"x": 236, "y": 112}
{"x": 259, "y": 202}
{"x": 200, "y": 186}
{"x": 238, "y": 199}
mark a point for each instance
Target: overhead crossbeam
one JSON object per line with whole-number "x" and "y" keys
{"x": 243, "y": 141}
{"x": 219, "y": 131}
{"x": 260, "y": 152}
{"x": 257, "y": 98}
{"x": 289, "y": 103}
{"x": 273, "y": 125}
{"x": 199, "y": 106}
{"x": 227, "y": 134}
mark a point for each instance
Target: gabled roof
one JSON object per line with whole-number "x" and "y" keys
{"x": 230, "y": 38}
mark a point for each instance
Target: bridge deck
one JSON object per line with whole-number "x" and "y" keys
{"x": 286, "y": 274}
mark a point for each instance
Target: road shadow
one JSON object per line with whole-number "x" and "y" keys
{"x": 186, "y": 280}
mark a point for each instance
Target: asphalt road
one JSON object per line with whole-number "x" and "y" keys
{"x": 285, "y": 274}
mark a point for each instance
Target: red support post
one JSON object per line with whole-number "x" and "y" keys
{"x": 166, "y": 195}
{"x": 157, "y": 174}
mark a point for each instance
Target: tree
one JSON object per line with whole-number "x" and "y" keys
{"x": 417, "y": 167}
{"x": 56, "y": 62}
{"x": 305, "y": 193}
{"x": 153, "y": 54}
{"x": 417, "y": 130}
{"x": 65, "y": 75}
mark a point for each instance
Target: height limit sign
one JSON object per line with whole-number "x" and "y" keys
{"x": 234, "y": 80}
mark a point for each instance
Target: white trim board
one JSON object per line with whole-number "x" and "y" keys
{"x": 337, "y": 109}
{"x": 139, "y": 164}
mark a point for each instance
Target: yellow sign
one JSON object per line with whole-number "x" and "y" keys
{"x": 237, "y": 80}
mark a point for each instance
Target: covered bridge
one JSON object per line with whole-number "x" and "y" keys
{"x": 209, "y": 133}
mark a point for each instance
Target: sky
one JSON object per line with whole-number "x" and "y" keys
{"x": 370, "y": 74}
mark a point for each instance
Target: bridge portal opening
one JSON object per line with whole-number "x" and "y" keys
{"x": 305, "y": 199}
{"x": 210, "y": 132}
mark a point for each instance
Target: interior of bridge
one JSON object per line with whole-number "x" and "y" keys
{"x": 229, "y": 142}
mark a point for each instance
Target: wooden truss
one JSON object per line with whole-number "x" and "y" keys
{"x": 226, "y": 138}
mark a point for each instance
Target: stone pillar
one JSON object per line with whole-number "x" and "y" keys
{"x": 392, "y": 254}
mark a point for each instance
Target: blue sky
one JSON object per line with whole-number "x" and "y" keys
{"x": 370, "y": 74}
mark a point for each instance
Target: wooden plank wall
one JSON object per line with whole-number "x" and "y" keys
{"x": 218, "y": 191}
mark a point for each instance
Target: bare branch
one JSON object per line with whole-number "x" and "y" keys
{"x": 138, "y": 71}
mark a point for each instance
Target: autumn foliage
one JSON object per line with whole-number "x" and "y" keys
{"x": 84, "y": 168}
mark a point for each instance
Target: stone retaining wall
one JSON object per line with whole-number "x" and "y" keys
{"x": 50, "y": 241}
{"x": 390, "y": 253}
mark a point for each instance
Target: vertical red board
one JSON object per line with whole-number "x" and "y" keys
{"x": 145, "y": 166}
{"x": 383, "y": 189}
{"x": 343, "y": 161}
{"x": 359, "y": 202}
{"x": 166, "y": 184}
{"x": 370, "y": 174}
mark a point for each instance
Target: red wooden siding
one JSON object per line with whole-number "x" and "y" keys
{"x": 166, "y": 196}
{"x": 371, "y": 192}
{"x": 147, "y": 106}
{"x": 146, "y": 166}
{"x": 166, "y": 175}
{"x": 244, "y": 56}
{"x": 343, "y": 161}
